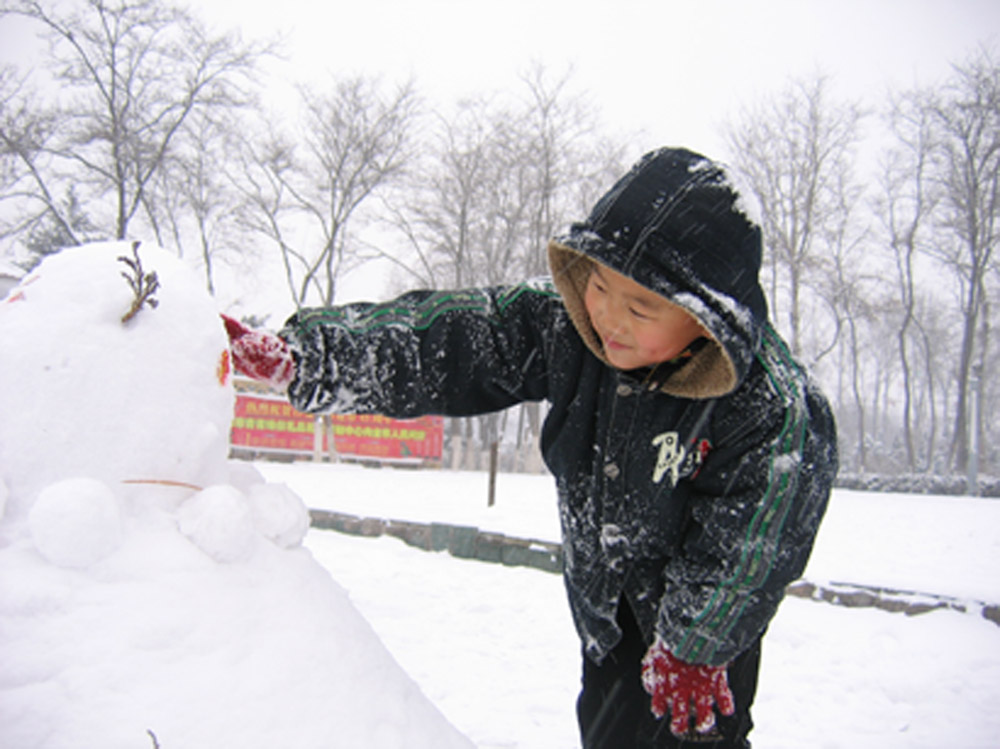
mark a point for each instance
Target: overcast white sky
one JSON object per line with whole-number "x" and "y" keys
{"x": 674, "y": 69}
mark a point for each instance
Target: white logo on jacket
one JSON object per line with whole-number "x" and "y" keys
{"x": 674, "y": 459}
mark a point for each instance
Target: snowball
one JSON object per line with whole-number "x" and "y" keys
{"x": 279, "y": 514}
{"x": 219, "y": 521}
{"x": 76, "y": 522}
{"x": 243, "y": 475}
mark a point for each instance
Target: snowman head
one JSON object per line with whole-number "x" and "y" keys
{"x": 149, "y": 398}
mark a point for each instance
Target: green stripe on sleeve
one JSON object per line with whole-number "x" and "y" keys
{"x": 762, "y": 542}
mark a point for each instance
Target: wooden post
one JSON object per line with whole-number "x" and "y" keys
{"x": 494, "y": 449}
{"x": 331, "y": 443}
{"x": 318, "y": 439}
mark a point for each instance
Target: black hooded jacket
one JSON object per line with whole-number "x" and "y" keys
{"x": 695, "y": 489}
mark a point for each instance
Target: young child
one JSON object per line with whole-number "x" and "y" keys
{"x": 693, "y": 457}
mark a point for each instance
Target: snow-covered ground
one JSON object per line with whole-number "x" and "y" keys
{"x": 494, "y": 648}
{"x": 154, "y": 593}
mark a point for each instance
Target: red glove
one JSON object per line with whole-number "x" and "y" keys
{"x": 682, "y": 686}
{"x": 260, "y": 355}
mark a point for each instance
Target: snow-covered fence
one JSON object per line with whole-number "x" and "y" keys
{"x": 464, "y": 542}
{"x": 917, "y": 483}
{"x": 909, "y": 602}
{"x": 467, "y": 542}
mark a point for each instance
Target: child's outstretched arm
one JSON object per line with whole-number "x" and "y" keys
{"x": 443, "y": 352}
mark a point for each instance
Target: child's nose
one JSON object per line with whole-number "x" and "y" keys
{"x": 614, "y": 312}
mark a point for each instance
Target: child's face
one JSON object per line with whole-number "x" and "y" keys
{"x": 637, "y": 327}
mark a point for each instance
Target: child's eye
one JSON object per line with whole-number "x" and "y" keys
{"x": 639, "y": 315}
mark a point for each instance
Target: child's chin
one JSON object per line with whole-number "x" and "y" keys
{"x": 622, "y": 360}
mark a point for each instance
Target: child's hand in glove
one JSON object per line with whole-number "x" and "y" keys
{"x": 682, "y": 686}
{"x": 260, "y": 355}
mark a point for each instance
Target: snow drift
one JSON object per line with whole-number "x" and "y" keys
{"x": 151, "y": 592}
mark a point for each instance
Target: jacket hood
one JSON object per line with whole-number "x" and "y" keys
{"x": 676, "y": 225}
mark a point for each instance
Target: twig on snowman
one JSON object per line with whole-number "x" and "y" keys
{"x": 143, "y": 285}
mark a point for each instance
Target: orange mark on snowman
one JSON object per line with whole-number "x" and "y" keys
{"x": 223, "y": 369}
{"x": 18, "y": 294}
{"x": 164, "y": 482}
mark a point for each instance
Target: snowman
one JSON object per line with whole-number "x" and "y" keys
{"x": 153, "y": 592}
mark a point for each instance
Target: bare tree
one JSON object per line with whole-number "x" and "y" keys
{"x": 846, "y": 288}
{"x": 446, "y": 213}
{"x": 503, "y": 175}
{"x": 130, "y": 75}
{"x": 263, "y": 165}
{"x": 26, "y": 131}
{"x": 905, "y": 208}
{"x": 556, "y": 142}
{"x": 967, "y": 118}
{"x": 197, "y": 203}
{"x": 795, "y": 151}
{"x": 305, "y": 191}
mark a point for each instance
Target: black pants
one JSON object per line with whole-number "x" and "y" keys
{"x": 613, "y": 708}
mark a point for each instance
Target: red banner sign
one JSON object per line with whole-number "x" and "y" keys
{"x": 266, "y": 424}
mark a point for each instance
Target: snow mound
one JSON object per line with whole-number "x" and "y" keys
{"x": 151, "y": 591}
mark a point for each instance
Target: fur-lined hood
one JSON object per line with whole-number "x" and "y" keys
{"x": 676, "y": 225}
